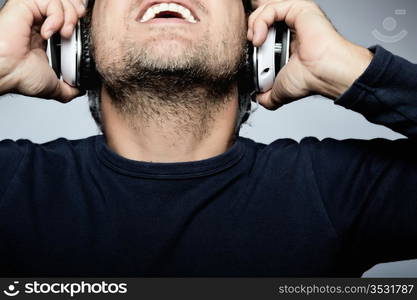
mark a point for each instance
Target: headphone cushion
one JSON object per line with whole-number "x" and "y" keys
{"x": 88, "y": 74}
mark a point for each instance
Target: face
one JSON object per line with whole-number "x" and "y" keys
{"x": 210, "y": 37}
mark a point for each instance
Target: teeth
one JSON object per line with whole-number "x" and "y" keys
{"x": 150, "y": 14}
{"x": 164, "y": 6}
{"x": 173, "y": 7}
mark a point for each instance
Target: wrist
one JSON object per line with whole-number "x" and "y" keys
{"x": 4, "y": 75}
{"x": 7, "y": 82}
{"x": 341, "y": 70}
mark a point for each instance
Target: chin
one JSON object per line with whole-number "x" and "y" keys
{"x": 171, "y": 48}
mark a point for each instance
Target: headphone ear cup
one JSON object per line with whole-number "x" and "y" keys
{"x": 69, "y": 49}
{"x": 88, "y": 77}
{"x": 54, "y": 54}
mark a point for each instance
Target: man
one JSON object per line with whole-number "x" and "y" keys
{"x": 170, "y": 189}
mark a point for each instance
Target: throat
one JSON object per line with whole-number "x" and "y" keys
{"x": 167, "y": 126}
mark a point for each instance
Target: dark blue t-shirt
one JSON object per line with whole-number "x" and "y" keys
{"x": 314, "y": 208}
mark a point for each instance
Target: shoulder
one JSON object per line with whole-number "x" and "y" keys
{"x": 27, "y": 160}
{"x": 24, "y": 149}
{"x": 63, "y": 144}
{"x": 279, "y": 146}
{"x": 329, "y": 150}
{"x": 314, "y": 144}
{"x": 281, "y": 154}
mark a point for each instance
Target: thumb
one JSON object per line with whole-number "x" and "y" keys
{"x": 274, "y": 98}
{"x": 64, "y": 93}
{"x": 290, "y": 85}
{"x": 265, "y": 100}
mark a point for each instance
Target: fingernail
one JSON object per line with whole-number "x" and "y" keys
{"x": 250, "y": 34}
{"x": 256, "y": 38}
{"x": 69, "y": 28}
{"x": 48, "y": 33}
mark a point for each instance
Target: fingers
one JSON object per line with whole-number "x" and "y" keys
{"x": 71, "y": 18}
{"x": 80, "y": 6}
{"x": 252, "y": 19}
{"x": 53, "y": 15}
{"x": 275, "y": 11}
{"x": 266, "y": 16}
{"x": 55, "y": 18}
{"x": 61, "y": 15}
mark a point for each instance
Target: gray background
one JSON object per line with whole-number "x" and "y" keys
{"x": 42, "y": 120}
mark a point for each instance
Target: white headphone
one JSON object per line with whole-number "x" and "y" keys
{"x": 71, "y": 58}
{"x": 271, "y": 57}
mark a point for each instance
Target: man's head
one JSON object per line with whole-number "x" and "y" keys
{"x": 152, "y": 56}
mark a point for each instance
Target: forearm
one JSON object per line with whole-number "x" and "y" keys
{"x": 386, "y": 93}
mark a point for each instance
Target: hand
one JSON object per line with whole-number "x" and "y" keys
{"x": 322, "y": 61}
{"x": 25, "y": 27}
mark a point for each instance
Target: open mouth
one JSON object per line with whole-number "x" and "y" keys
{"x": 168, "y": 11}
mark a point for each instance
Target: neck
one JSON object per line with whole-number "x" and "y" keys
{"x": 197, "y": 129}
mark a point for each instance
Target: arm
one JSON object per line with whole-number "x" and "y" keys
{"x": 386, "y": 93}
{"x": 369, "y": 188}
{"x": 382, "y": 88}
{"x": 24, "y": 67}
{"x": 11, "y": 156}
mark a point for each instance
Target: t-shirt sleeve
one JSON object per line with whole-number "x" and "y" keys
{"x": 386, "y": 94}
{"x": 369, "y": 188}
{"x": 11, "y": 156}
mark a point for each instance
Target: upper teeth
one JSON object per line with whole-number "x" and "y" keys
{"x": 173, "y": 7}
